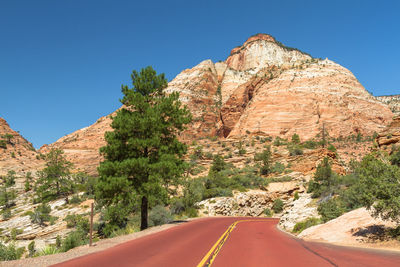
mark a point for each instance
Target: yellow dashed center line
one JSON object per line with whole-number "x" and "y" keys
{"x": 209, "y": 258}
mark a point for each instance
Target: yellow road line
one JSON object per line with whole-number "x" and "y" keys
{"x": 220, "y": 242}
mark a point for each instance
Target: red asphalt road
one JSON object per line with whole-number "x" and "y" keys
{"x": 251, "y": 243}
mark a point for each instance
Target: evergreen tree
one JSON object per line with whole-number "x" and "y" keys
{"x": 265, "y": 158}
{"x": 143, "y": 156}
{"x": 55, "y": 179}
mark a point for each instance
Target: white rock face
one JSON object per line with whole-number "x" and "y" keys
{"x": 251, "y": 203}
{"x": 297, "y": 211}
{"x": 263, "y": 53}
{"x": 345, "y": 229}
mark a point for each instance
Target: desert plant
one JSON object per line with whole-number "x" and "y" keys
{"x": 277, "y": 206}
{"x": 10, "y": 252}
{"x": 31, "y": 249}
{"x": 41, "y": 214}
{"x": 48, "y": 250}
{"x": 159, "y": 215}
{"x": 301, "y": 226}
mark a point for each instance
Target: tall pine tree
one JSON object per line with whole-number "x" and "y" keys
{"x": 143, "y": 157}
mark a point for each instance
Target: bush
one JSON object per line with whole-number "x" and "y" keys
{"x": 58, "y": 241}
{"x": 295, "y": 139}
{"x": 74, "y": 239}
{"x": 330, "y": 209}
{"x": 301, "y": 226}
{"x": 325, "y": 181}
{"x": 48, "y": 250}
{"x": 296, "y": 196}
{"x": 310, "y": 144}
{"x": 267, "y": 212}
{"x": 278, "y": 168}
{"x": 6, "y": 214}
{"x": 3, "y": 144}
{"x": 265, "y": 158}
{"x": 10, "y": 252}
{"x": 295, "y": 150}
{"x": 75, "y": 200}
{"x": 177, "y": 206}
{"x": 242, "y": 151}
{"x": 41, "y": 214}
{"x": 78, "y": 221}
{"x": 277, "y": 207}
{"x": 31, "y": 249}
{"x": 279, "y": 141}
{"x": 332, "y": 148}
{"x": 159, "y": 215}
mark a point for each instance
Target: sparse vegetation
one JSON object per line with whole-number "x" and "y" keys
{"x": 301, "y": 226}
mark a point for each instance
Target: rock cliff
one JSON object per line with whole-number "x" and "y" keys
{"x": 82, "y": 147}
{"x": 393, "y": 101}
{"x": 16, "y": 153}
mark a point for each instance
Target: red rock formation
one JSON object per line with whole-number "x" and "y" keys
{"x": 263, "y": 87}
{"x": 390, "y": 136}
{"x": 16, "y": 154}
{"x": 82, "y": 147}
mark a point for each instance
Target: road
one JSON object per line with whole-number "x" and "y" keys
{"x": 231, "y": 241}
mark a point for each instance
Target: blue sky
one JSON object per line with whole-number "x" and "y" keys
{"x": 62, "y": 62}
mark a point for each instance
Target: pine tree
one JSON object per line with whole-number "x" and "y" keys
{"x": 55, "y": 179}
{"x": 143, "y": 156}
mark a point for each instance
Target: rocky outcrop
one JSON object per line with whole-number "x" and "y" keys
{"x": 251, "y": 203}
{"x": 16, "y": 153}
{"x": 391, "y": 135}
{"x": 393, "y": 101}
{"x": 349, "y": 229}
{"x": 302, "y": 99}
{"x": 298, "y": 211}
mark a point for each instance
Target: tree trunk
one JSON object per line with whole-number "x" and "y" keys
{"x": 143, "y": 213}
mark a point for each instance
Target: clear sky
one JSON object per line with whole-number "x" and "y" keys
{"x": 62, "y": 62}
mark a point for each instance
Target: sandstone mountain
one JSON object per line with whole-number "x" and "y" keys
{"x": 82, "y": 147}
{"x": 16, "y": 153}
{"x": 262, "y": 88}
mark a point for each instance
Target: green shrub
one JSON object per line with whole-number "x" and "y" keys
{"x": 31, "y": 249}
{"x": 177, "y": 206}
{"x": 78, "y": 221}
{"x": 10, "y": 252}
{"x": 296, "y": 196}
{"x": 242, "y": 151}
{"x": 295, "y": 150}
{"x": 301, "y": 226}
{"x": 48, "y": 250}
{"x": 330, "y": 209}
{"x": 295, "y": 139}
{"x": 278, "y": 168}
{"x": 280, "y": 179}
{"x": 41, "y": 214}
{"x": 191, "y": 212}
{"x": 6, "y": 214}
{"x": 277, "y": 207}
{"x": 58, "y": 241}
{"x": 310, "y": 144}
{"x": 3, "y": 144}
{"x": 14, "y": 232}
{"x": 265, "y": 159}
{"x": 279, "y": 141}
{"x": 73, "y": 239}
{"x": 332, "y": 148}
{"x": 267, "y": 212}
{"x": 159, "y": 215}
{"x": 325, "y": 182}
